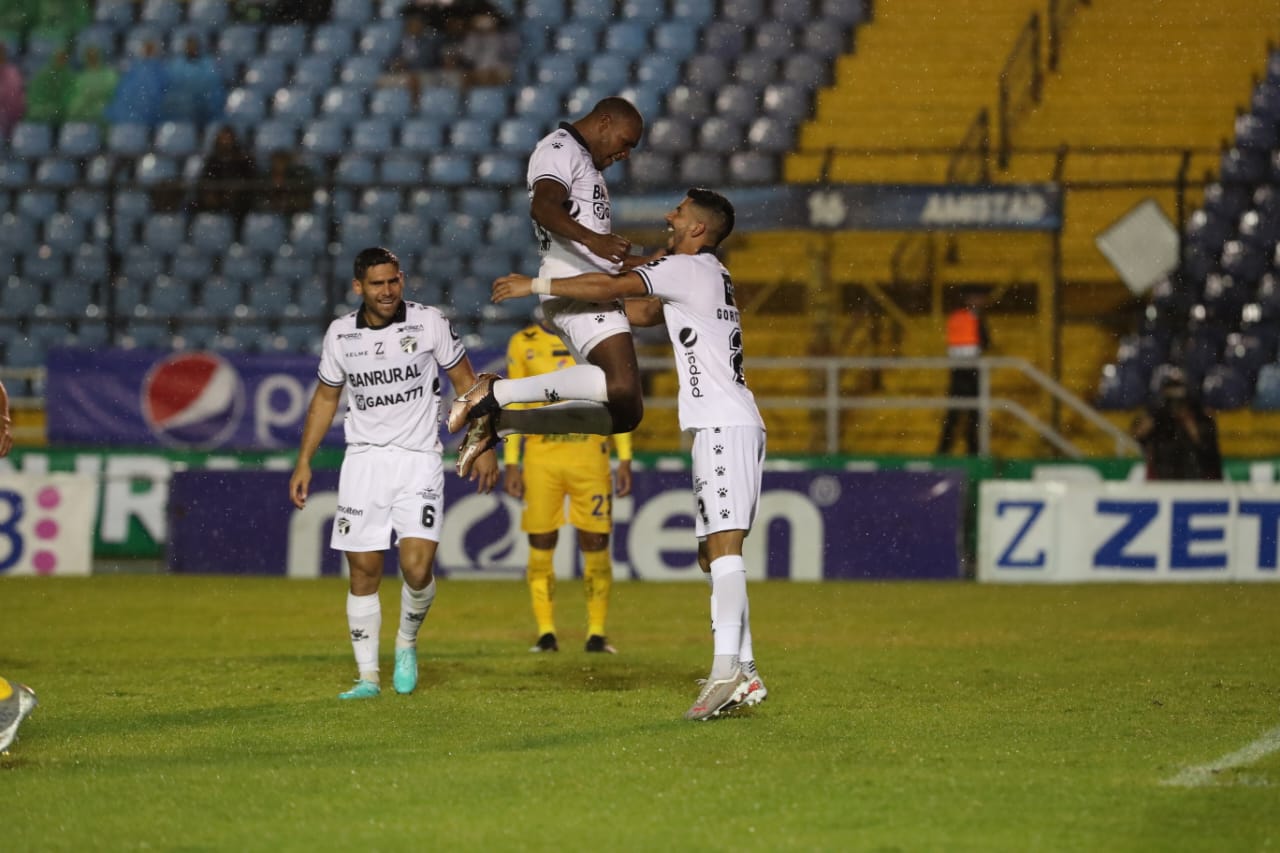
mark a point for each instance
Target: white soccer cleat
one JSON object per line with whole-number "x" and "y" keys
{"x": 717, "y": 696}
{"x": 17, "y": 703}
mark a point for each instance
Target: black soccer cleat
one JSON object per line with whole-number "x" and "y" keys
{"x": 597, "y": 643}
{"x": 546, "y": 643}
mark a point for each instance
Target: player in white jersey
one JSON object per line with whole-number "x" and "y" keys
{"x": 387, "y": 354}
{"x": 691, "y": 291}
{"x": 573, "y": 221}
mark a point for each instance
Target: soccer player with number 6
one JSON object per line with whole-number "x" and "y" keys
{"x": 388, "y": 354}
{"x": 691, "y": 291}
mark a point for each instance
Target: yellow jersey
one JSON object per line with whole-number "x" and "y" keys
{"x": 532, "y": 351}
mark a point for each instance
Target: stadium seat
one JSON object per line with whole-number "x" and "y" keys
{"x": 239, "y": 264}
{"x": 422, "y": 135}
{"x": 755, "y": 70}
{"x": 440, "y": 102}
{"x": 380, "y": 203}
{"x": 79, "y": 139}
{"x": 1259, "y": 229}
{"x": 650, "y": 168}
{"x": 312, "y": 74}
{"x": 212, "y": 233}
{"x": 162, "y": 13}
{"x": 737, "y": 103}
{"x": 600, "y": 11}
{"x": 518, "y": 135}
{"x": 627, "y": 38}
{"x": 168, "y": 297}
{"x": 701, "y": 168}
{"x": 720, "y": 135}
{"x": 577, "y": 39}
{"x": 449, "y": 169}
{"x": 1243, "y": 165}
{"x": 19, "y": 298}
{"x": 343, "y": 103}
{"x": 478, "y": 203}
{"x": 85, "y": 204}
{"x": 44, "y": 264}
{"x": 357, "y": 230}
{"x": 325, "y": 138}
{"x": 293, "y": 104}
{"x": 848, "y": 12}
{"x": 57, "y": 172}
{"x": 65, "y": 232}
{"x": 354, "y": 170}
{"x": 500, "y": 170}
{"x": 37, "y": 205}
{"x": 770, "y": 136}
{"x": 547, "y": 12}
{"x": 245, "y": 107}
{"x": 153, "y": 169}
{"x": 360, "y": 72}
{"x": 706, "y": 72}
{"x": 1226, "y": 389}
{"x": 752, "y": 167}
{"x": 177, "y": 139}
{"x": 821, "y": 39}
{"x": 609, "y": 70}
{"x": 401, "y": 168}
{"x": 1243, "y": 261}
{"x": 430, "y": 204}
{"x": 471, "y": 136}
{"x": 488, "y": 103}
{"x": 15, "y": 174}
{"x": 164, "y": 232}
{"x": 392, "y": 102}
{"x": 191, "y": 264}
{"x": 460, "y": 232}
{"x": 372, "y": 136}
{"x": 806, "y": 70}
{"x": 409, "y": 233}
{"x": 207, "y": 14}
{"x": 264, "y": 233}
{"x": 1266, "y": 395}
{"x": 673, "y": 40}
{"x": 380, "y": 39}
{"x": 128, "y": 140}
{"x": 333, "y": 40}
{"x": 30, "y": 140}
{"x": 774, "y": 38}
{"x": 308, "y": 234}
{"x": 509, "y": 230}
{"x": 786, "y": 102}
{"x": 723, "y": 38}
{"x": 265, "y": 74}
{"x": 219, "y": 296}
{"x": 352, "y": 11}
{"x": 118, "y": 13}
{"x": 670, "y": 134}
{"x": 538, "y": 103}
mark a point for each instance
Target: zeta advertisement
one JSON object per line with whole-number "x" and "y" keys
{"x": 810, "y": 526}
{"x": 1144, "y": 532}
{"x": 46, "y": 524}
{"x": 183, "y": 400}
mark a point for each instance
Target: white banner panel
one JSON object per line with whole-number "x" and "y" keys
{"x": 1058, "y": 532}
{"x": 46, "y": 524}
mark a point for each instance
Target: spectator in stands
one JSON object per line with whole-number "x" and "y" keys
{"x": 289, "y": 184}
{"x": 13, "y": 93}
{"x": 227, "y": 177}
{"x": 139, "y": 99}
{"x": 50, "y": 89}
{"x": 1179, "y": 437}
{"x": 487, "y": 50}
{"x": 195, "y": 92}
{"x": 60, "y": 20}
{"x": 967, "y": 338}
{"x": 92, "y": 89}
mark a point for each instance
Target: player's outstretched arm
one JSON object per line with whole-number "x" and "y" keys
{"x": 324, "y": 405}
{"x": 588, "y": 287}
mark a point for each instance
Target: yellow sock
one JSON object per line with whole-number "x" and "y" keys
{"x": 597, "y": 580}
{"x": 542, "y": 588}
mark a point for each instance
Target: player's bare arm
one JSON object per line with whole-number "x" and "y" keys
{"x": 320, "y": 414}
{"x": 644, "y": 311}
{"x": 484, "y": 471}
{"x": 550, "y": 209}
{"x": 588, "y": 287}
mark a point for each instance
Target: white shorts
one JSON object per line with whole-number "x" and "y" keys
{"x": 727, "y": 466}
{"x": 381, "y": 489}
{"x": 582, "y": 325}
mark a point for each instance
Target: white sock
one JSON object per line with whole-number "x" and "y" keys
{"x": 364, "y": 618}
{"x": 579, "y": 382}
{"x": 574, "y": 416}
{"x": 729, "y": 592}
{"x": 414, "y": 604}
{"x": 746, "y": 654}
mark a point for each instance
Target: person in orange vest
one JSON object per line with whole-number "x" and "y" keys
{"x": 967, "y": 338}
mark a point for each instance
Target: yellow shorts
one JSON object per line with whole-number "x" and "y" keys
{"x": 578, "y": 470}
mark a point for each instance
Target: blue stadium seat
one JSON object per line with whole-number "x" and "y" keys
{"x": 518, "y": 135}
{"x": 17, "y": 233}
{"x": 142, "y": 264}
{"x": 57, "y": 172}
{"x": 219, "y": 296}
{"x": 354, "y": 170}
{"x": 293, "y": 269}
{"x": 774, "y": 38}
{"x": 380, "y": 39}
{"x": 422, "y": 135}
{"x": 592, "y": 10}
{"x": 168, "y": 297}
{"x": 461, "y": 233}
{"x": 14, "y": 174}
{"x": 212, "y": 233}
{"x": 650, "y": 168}
{"x": 352, "y": 11}
{"x": 670, "y": 134}
{"x": 500, "y": 170}
{"x": 471, "y": 136}
{"x": 152, "y": 169}
{"x": 489, "y": 103}
{"x": 293, "y": 104}
{"x": 548, "y": 12}
{"x": 770, "y": 135}
{"x": 538, "y": 104}
{"x": 264, "y": 74}
{"x": 644, "y": 10}
{"x": 1226, "y": 389}
{"x": 706, "y": 72}
{"x": 612, "y": 71}
{"x": 343, "y": 103}
{"x": 207, "y": 14}
{"x": 333, "y": 40}
{"x": 821, "y": 39}
{"x": 627, "y": 38}
{"x": 578, "y": 39}
{"x": 702, "y": 168}
{"x": 372, "y": 136}
{"x": 360, "y": 72}
{"x": 720, "y": 135}
{"x": 119, "y": 13}
{"x": 380, "y": 203}
{"x": 400, "y": 167}
{"x": 358, "y": 230}
{"x": 786, "y": 102}
{"x": 37, "y": 205}
{"x": 1266, "y": 395}
{"x": 264, "y": 233}
{"x": 177, "y": 139}
{"x": 191, "y": 264}
{"x": 103, "y": 37}
{"x": 245, "y": 107}
{"x": 238, "y": 43}
{"x": 79, "y": 139}
{"x": 44, "y": 264}
{"x": 581, "y": 99}
{"x": 19, "y": 298}
{"x": 440, "y": 102}
{"x": 392, "y": 102}
{"x": 239, "y": 264}
{"x": 325, "y": 138}
{"x": 164, "y": 232}
{"x": 849, "y": 12}
{"x": 275, "y": 135}
{"x": 509, "y": 230}
{"x": 309, "y": 234}
{"x": 409, "y": 233}
{"x": 737, "y": 103}
{"x": 657, "y": 71}
{"x": 31, "y": 141}
{"x": 128, "y": 140}
{"x": 163, "y": 13}
{"x": 312, "y": 74}
{"x": 449, "y": 169}
{"x": 478, "y": 203}
{"x": 724, "y": 38}
{"x": 430, "y": 204}
{"x": 755, "y": 69}
{"x": 752, "y": 167}
{"x": 86, "y": 204}
{"x": 285, "y": 41}
{"x": 806, "y": 70}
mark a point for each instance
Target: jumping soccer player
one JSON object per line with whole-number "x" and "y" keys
{"x": 692, "y": 292}
{"x": 388, "y": 354}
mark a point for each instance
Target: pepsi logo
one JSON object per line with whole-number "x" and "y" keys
{"x": 193, "y": 399}
{"x": 688, "y": 337}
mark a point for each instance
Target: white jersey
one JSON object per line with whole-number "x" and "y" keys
{"x": 702, "y": 322}
{"x": 562, "y": 156}
{"x": 392, "y": 375}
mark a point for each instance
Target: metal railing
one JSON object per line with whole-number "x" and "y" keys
{"x": 1021, "y": 81}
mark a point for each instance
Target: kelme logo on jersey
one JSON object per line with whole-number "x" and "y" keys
{"x": 193, "y": 399}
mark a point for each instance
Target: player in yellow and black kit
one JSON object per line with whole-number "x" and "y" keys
{"x": 556, "y": 466}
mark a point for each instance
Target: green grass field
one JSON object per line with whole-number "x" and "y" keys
{"x": 194, "y": 713}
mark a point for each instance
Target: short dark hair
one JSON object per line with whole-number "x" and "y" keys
{"x": 721, "y": 211}
{"x": 373, "y": 256}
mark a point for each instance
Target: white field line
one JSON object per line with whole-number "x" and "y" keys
{"x": 1203, "y": 775}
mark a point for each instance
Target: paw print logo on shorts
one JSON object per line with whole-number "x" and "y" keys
{"x": 716, "y": 430}
{"x": 599, "y": 318}
{"x": 720, "y": 471}
{"x": 719, "y": 448}
{"x": 724, "y": 513}
{"x": 722, "y": 492}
